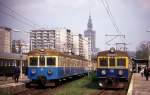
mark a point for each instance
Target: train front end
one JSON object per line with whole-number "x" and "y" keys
{"x": 112, "y": 68}
{"x": 42, "y": 68}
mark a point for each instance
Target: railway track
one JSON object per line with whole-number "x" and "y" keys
{"x": 44, "y": 91}
{"x": 39, "y": 90}
{"x": 111, "y": 92}
{"x": 122, "y": 91}
{"x": 31, "y": 91}
{"x": 36, "y": 90}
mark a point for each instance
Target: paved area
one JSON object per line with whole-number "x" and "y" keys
{"x": 10, "y": 82}
{"x": 139, "y": 85}
{"x": 4, "y": 80}
{"x": 10, "y": 87}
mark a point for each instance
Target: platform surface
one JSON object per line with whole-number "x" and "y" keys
{"x": 11, "y": 83}
{"x": 139, "y": 85}
{"x": 9, "y": 87}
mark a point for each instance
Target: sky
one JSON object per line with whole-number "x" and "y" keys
{"x": 131, "y": 16}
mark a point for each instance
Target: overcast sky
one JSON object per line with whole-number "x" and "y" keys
{"x": 132, "y": 18}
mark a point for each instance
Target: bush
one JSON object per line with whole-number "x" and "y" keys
{"x": 92, "y": 76}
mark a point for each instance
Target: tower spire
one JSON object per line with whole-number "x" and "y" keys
{"x": 90, "y": 25}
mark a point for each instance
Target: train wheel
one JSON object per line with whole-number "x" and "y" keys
{"x": 28, "y": 85}
{"x": 42, "y": 81}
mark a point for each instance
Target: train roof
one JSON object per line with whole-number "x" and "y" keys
{"x": 46, "y": 52}
{"x": 115, "y": 53}
{"x": 52, "y": 52}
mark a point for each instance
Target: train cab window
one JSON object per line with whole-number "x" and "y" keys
{"x": 103, "y": 61}
{"x": 112, "y": 61}
{"x": 33, "y": 61}
{"x": 42, "y": 61}
{"x": 121, "y": 62}
{"x": 51, "y": 61}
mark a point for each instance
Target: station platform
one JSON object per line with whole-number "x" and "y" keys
{"x": 10, "y": 87}
{"x": 139, "y": 85}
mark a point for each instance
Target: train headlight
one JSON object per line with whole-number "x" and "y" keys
{"x": 120, "y": 72}
{"x": 103, "y": 72}
{"x": 49, "y": 72}
{"x": 112, "y": 50}
{"x": 33, "y": 71}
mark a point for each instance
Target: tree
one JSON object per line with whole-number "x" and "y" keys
{"x": 142, "y": 51}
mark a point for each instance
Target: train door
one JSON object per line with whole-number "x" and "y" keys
{"x": 64, "y": 66}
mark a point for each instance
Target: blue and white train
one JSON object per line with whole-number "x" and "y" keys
{"x": 48, "y": 66}
{"x": 113, "y": 68}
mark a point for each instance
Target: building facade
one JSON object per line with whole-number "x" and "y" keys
{"x": 19, "y": 46}
{"x": 40, "y": 39}
{"x": 63, "y": 40}
{"x": 86, "y": 48}
{"x": 5, "y": 39}
{"x": 81, "y": 46}
{"x": 59, "y": 39}
{"x": 90, "y": 34}
{"x": 78, "y": 44}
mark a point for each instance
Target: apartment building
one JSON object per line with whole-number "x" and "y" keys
{"x": 5, "y": 39}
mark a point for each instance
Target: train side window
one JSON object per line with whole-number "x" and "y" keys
{"x": 51, "y": 61}
{"x": 42, "y": 61}
{"x": 33, "y": 61}
{"x": 112, "y": 61}
{"x": 121, "y": 62}
{"x": 103, "y": 61}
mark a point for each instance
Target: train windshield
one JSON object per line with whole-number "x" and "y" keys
{"x": 33, "y": 61}
{"x": 121, "y": 62}
{"x": 42, "y": 61}
{"x": 112, "y": 61}
{"x": 51, "y": 61}
{"x": 103, "y": 61}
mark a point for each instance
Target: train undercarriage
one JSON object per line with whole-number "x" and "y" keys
{"x": 112, "y": 82}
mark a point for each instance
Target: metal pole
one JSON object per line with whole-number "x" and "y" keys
{"x": 137, "y": 68}
{"x": 21, "y": 66}
{"x": 148, "y": 51}
{"x": 148, "y": 55}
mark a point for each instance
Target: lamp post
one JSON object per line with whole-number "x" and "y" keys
{"x": 21, "y": 55}
{"x": 148, "y": 54}
{"x": 148, "y": 51}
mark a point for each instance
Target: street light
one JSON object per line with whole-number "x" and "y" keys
{"x": 148, "y": 51}
{"x": 21, "y": 55}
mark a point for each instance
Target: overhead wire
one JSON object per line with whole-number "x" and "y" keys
{"x": 10, "y": 25}
{"x": 114, "y": 20}
{"x": 7, "y": 14}
{"x": 22, "y": 19}
{"x": 111, "y": 17}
